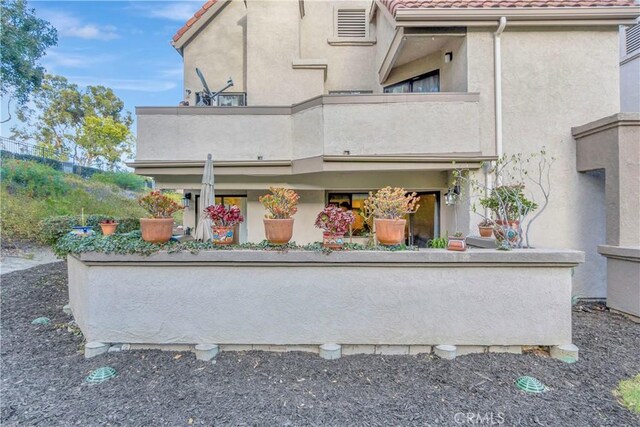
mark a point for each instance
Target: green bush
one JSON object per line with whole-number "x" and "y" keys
{"x": 124, "y": 180}
{"x": 53, "y": 228}
{"x": 33, "y": 179}
{"x": 31, "y": 192}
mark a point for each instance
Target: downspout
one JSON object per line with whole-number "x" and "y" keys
{"x": 497, "y": 74}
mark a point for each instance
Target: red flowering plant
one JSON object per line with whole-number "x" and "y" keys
{"x": 334, "y": 220}
{"x": 159, "y": 205}
{"x": 221, "y": 216}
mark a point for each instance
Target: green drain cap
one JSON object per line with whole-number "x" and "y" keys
{"x": 530, "y": 385}
{"x": 101, "y": 375}
{"x": 41, "y": 321}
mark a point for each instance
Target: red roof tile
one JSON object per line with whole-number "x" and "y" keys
{"x": 194, "y": 19}
{"x": 394, "y": 5}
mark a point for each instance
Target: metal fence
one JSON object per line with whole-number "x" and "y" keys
{"x": 19, "y": 147}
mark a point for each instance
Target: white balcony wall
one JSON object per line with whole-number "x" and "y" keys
{"x": 364, "y": 125}
{"x": 176, "y": 136}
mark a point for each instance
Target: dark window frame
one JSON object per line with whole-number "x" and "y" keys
{"x": 435, "y": 72}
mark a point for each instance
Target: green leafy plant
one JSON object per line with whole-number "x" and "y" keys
{"x": 281, "y": 203}
{"x": 438, "y": 243}
{"x": 391, "y": 203}
{"x": 159, "y": 205}
{"x": 124, "y": 180}
{"x": 508, "y": 202}
{"x": 131, "y": 243}
{"x": 629, "y": 393}
{"x": 55, "y": 227}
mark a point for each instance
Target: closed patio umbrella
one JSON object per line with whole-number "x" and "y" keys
{"x": 207, "y": 198}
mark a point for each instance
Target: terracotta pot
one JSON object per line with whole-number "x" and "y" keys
{"x": 222, "y": 235}
{"x": 332, "y": 241}
{"x": 513, "y": 234}
{"x": 485, "y": 231}
{"x": 457, "y": 244}
{"x": 108, "y": 228}
{"x": 278, "y": 231}
{"x": 156, "y": 230}
{"x": 390, "y": 232}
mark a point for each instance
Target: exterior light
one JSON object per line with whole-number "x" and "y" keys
{"x": 448, "y": 57}
{"x": 451, "y": 196}
{"x": 186, "y": 200}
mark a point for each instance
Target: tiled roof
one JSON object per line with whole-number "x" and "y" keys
{"x": 394, "y": 5}
{"x": 193, "y": 19}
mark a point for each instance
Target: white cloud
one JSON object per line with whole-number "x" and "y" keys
{"x": 175, "y": 11}
{"x": 57, "y": 58}
{"x": 138, "y": 85}
{"x": 70, "y": 26}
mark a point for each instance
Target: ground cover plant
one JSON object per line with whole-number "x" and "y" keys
{"x": 629, "y": 393}
{"x": 131, "y": 243}
{"x": 31, "y": 192}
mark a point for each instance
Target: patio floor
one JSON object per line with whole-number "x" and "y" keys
{"x": 43, "y": 372}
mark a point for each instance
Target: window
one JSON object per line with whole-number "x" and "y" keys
{"x": 351, "y": 23}
{"x": 424, "y": 83}
{"x": 226, "y": 99}
{"x": 232, "y": 99}
{"x": 422, "y": 226}
{"x": 355, "y": 203}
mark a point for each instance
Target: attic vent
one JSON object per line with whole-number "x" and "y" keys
{"x": 352, "y": 23}
{"x": 633, "y": 38}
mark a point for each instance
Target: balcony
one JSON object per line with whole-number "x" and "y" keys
{"x": 327, "y": 133}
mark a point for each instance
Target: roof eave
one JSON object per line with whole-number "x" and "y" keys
{"x": 610, "y": 15}
{"x": 198, "y": 24}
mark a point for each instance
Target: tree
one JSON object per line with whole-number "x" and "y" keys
{"x": 24, "y": 39}
{"x": 90, "y": 125}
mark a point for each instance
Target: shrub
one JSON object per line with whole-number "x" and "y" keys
{"x": 159, "y": 205}
{"x": 281, "y": 203}
{"x": 34, "y": 179}
{"x": 55, "y": 227}
{"x": 124, "y": 180}
{"x": 222, "y": 216}
{"x": 391, "y": 203}
{"x": 334, "y": 220}
{"x": 508, "y": 202}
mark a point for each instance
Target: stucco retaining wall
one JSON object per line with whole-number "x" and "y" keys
{"x": 478, "y": 297}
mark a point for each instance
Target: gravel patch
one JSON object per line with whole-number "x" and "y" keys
{"x": 43, "y": 371}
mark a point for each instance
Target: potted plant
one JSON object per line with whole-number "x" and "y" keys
{"x": 457, "y": 243}
{"x": 158, "y": 228}
{"x": 388, "y": 207}
{"x": 509, "y": 205}
{"x": 486, "y": 227}
{"x": 438, "y": 243}
{"x": 223, "y": 221}
{"x": 108, "y": 226}
{"x": 281, "y": 205}
{"x": 334, "y": 223}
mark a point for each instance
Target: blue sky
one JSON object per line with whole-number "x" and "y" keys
{"x": 124, "y": 45}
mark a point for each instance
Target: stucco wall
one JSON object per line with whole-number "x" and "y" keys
{"x": 550, "y": 85}
{"x": 210, "y": 51}
{"x": 630, "y": 84}
{"x": 228, "y": 137}
{"x": 314, "y": 298}
{"x": 402, "y": 128}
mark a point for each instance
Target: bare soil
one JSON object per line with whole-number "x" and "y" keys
{"x": 43, "y": 369}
